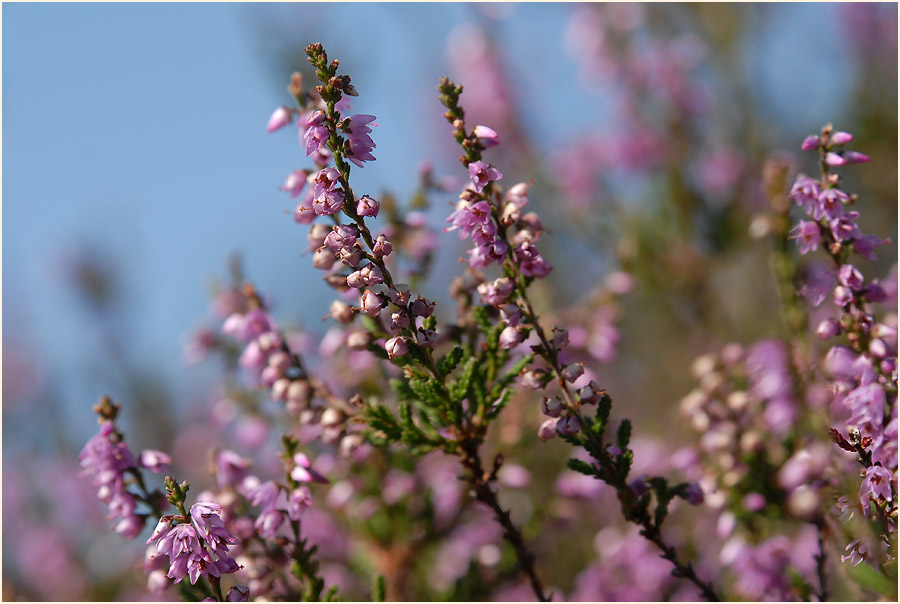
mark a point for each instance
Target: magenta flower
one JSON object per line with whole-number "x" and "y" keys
{"x": 371, "y": 303}
{"x": 315, "y": 133}
{"x": 295, "y": 182}
{"x": 865, "y": 246}
{"x": 359, "y": 143}
{"x": 805, "y": 193}
{"x": 497, "y": 291}
{"x": 844, "y": 227}
{"x": 854, "y": 157}
{"x": 841, "y": 138}
{"x": 834, "y": 159}
{"x": 341, "y": 237}
{"x": 831, "y": 201}
{"x": 810, "y": 142}
{"x": 851, "y": 277}
{"x": 280, "y": 118}
{"x": 396, "y": 346}
{"x": 877, "y": 483}
{"x": 366, "y": 206}
{"x": 155, "y": 461}
{"x": 382, "y": 247}
{"x": 482, "y": 173}
{"x": 807, "y": 234}
{"x": 486, "y": 136}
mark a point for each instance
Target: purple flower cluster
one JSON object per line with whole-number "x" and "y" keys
{"x": 864, "y": 371}
{"x": 196, "y": 547}
{"x": 107, "y": 459}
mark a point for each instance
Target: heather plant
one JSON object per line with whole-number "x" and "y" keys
{"x": 407, "y": 413}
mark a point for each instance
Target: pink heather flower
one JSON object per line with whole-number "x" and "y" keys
{"x": 366, "y": 206}
{"x": 531, "y": 263}
{"x": 482, "y": 256}
{"x": 330, "y": 203}
{"x": 841, "y": 138}
{"x": 510, "y": 314}
{"x": 427, "y": 338}
{"x": 238, "y": 593}
{"x": 547, "y": 429}
{"x": 359, "y": 143}
{"x": 518, "y": 194}
{"x": 155, "y": 461}
{"x": 693, "y": 494}
{"x": 572, "y": 372}
{"x": 325, "y": 180}
{"x": 850, "y": 276}
{"x": 268, "y": 523}
{"x": 810, "y": 142}
{"x": 316, "y": 236}
{"x": 371, "y": 303}
{"x": 828, "y": 329}
{"x": 400, "y": 294}
{"x": 865, "y": 246}
{"x": 371, "y": 274}
{"x": 832, "y": 201}
{"x": 854, "y": 157}
{"x": 568, "y": 425}
{"x": 304, "y": 213}
{"x": 341, "y": 237}
{"x": 833, "y": 159}
{"x": 382, "y": 247}
{"x": 315, "y": 133}
{"x": 486, "y": 136}
{"x": 399, "y": 320}
{"x": 551, "y": 407}
{"x": 396, "y": 346}
{"x": 231, "y": 468}
{"x": 807, "y": 234}
{"x": 805, "y": 193}
{"x": 844, "y": 228}
{"x": 298, "y": 500}
{"x": 303, "y": 470}
{"x": 280, "y": 118}
{"x": 295, "y": 182}
{"x": 482, "y": 173}
{"x": 468, "y": 217}
{"x": 877, "y": 483}
{"x": 422, "y": 307}
{"x": 511, "y": 337}
{"x": 497, "y": 291}
{"x": 249, "y": 326}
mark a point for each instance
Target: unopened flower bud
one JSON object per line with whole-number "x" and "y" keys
{"x": 351, "y": 257}
{"x": 854, "y": 157}
{"x": 486, "y": 136}
{"x": 358, "y": 340}
{"x": 841, "y": 138}
{"x": 510, "y": 314}
{"x": 323, "y": 259}
{"x": 590, "y": 394}
{"x": 810, "y": 142}
{"x": 316, "y": 236}
{"x": 396, "y": 347}
{"x": 400, "y": 294}
{"x": 382, "y": 247}
{"x": 341, "y": 312}
{"x": 551, "y": 407}
{"x": 833, "y": 159}
{"x": 572, "y": 372}
{"x": 422, "y": 307}
{"x": 332, "y": 417}
{"x": 828, "y": 329}
{"x": 279, "y": 119}
{"x": 511, "y": 337}
{"x": 366, "y": 206}
{"x": 371, "y": 303}
{"x": 547, "y": 429}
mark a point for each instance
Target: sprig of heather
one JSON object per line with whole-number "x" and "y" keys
{"x": 483, "y": 214}
{"x": 195, "y": 543}
{"x": 864, "y": 370}
{"x": 435, "y": 409}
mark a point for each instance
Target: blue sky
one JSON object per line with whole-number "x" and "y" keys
{"x": 139, "y": 129}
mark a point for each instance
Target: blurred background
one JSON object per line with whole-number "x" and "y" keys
{"x": 137, "y": 166}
